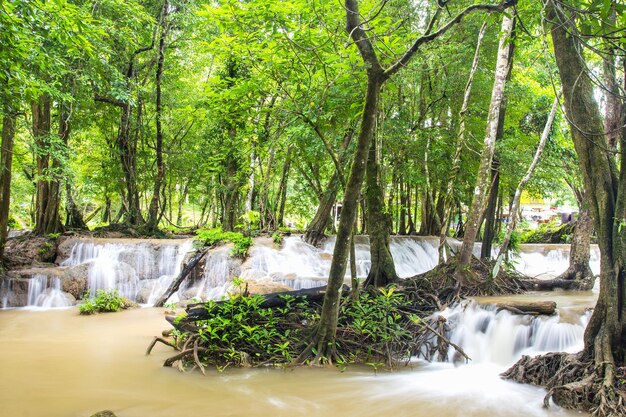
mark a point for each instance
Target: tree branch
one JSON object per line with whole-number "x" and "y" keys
{"x": 430, "y": 36}
{"x": 360, "y": 38}
{"x": 102, "y": 99}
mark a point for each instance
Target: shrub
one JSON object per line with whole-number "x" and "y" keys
{"x": 277, "y": 238}
{"x": 214, "y": 236}
{"x": 102, "y": 302}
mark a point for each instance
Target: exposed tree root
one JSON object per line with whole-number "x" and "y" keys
{"x": 573, "y": 382}
{"x": 450, "y": 286}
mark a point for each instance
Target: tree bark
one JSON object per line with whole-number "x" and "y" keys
{"x": 9, "y": 120}
{"x": 282, "y": 189}
{"x": 47, "y": 218}
{"x": 605, "y": 339}
{"x": 490, "y": 213}
{"x": 152, "y": 222}
{"x": 482, "y": 182}
{"x": 383, "y": 270}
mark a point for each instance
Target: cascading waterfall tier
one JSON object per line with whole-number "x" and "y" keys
{"x": 139, "y": 270}
{"x": 490, "y": 336}
{"x": 298, "y": 265}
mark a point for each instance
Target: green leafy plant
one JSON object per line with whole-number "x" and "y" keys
{"x": 102, "y": 302}
{"x": 241, "y": 243}
{"x": 277, "y": 238}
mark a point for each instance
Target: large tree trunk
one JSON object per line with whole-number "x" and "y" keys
{"x": 6, "y": 161}
{"x": 482, "y": 181}
{"x": 605, "y": 335}
{"x": 383, "y": 270}
{"x": 47, "y": 218}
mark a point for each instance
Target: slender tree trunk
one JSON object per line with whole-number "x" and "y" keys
{"x": 315, "y": 230}
{"x": 325, "y": 336}
{"x": 409, "y": 210}
{"x": 482, "y": 182}
{"x": 106, "y": 213}
{"x": 231, "y": 196}
{"x": 9, "y": 120}
{"x": 282, "y": 190}
{"x": 181, "y": 201}
{"x": 514, "y": 209}
{"x": 490, "y": 214}
{"x": 152, "y": 222}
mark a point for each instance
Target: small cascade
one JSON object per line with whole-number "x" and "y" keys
{"x": 499, "y": 337}
{"x": 45, "y": 292}
{"x": 139, "y": 270}
{"x": 216, "y": 280}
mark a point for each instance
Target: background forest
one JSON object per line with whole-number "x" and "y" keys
{"x": 173, "y": 114}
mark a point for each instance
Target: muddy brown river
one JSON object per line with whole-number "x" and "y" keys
{"x": 55, "y": 363}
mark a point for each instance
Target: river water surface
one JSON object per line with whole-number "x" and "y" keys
{"x": 56, "y": 363}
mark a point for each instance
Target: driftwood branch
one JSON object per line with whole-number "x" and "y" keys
{"x": 181, "y": 277}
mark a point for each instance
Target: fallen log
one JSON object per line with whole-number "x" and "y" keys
{"x": 274, "y": 300}
{"x": 582, "y": 284}
{"x": 181, "y": 277}
{"x": 546, "y": 308}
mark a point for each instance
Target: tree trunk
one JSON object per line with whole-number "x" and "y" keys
{"x": 490, "y": 214}
{"x": 9, "y": 120}
{"x": 330, "y": 309}
{"x": 48, "y": 167}
{"x": 383, "y": 270}
{"x": 605, "y": 335}
{"x": 282, "y": 190}
{"x": 315, "y": 230}
{"x": 515, "y": 206}
{"x": 74, "y": 218}
{"x": 231, "y": 195}
{"x": 181, "y": 201}
{"x": 152, "y": 222}
{"x": 482, "y": 181}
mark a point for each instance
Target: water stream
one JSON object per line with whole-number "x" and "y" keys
{"x": 56, "y": 363}
{"x": 74, "y": 365}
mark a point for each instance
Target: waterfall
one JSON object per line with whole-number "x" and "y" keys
{"x": 138, "y": 270}
{"x": 45, "y": 292}
{"x": 490, "y": 336}
{"x": 216, "y": 280}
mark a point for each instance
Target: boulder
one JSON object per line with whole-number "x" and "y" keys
{"x": 75, "y": 280}
{"x": 29, "y": 250}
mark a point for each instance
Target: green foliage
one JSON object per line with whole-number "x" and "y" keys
{"x": 102, "y": 302}
{"x": 239, "y": 324}
{"x": 378, "y": 318}
{"x": 212, "y": 237}
{"x": 277, "y": 238}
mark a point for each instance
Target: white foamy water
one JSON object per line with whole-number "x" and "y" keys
{"x": 140, "y": 271}
{"x": 45, "y": 292}
{"x": 490, "y": 336}
{"x": 216, "y": 280}
{"x": 299, "y": 265}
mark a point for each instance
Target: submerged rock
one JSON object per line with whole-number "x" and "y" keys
{"x": 104, "y": 413}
